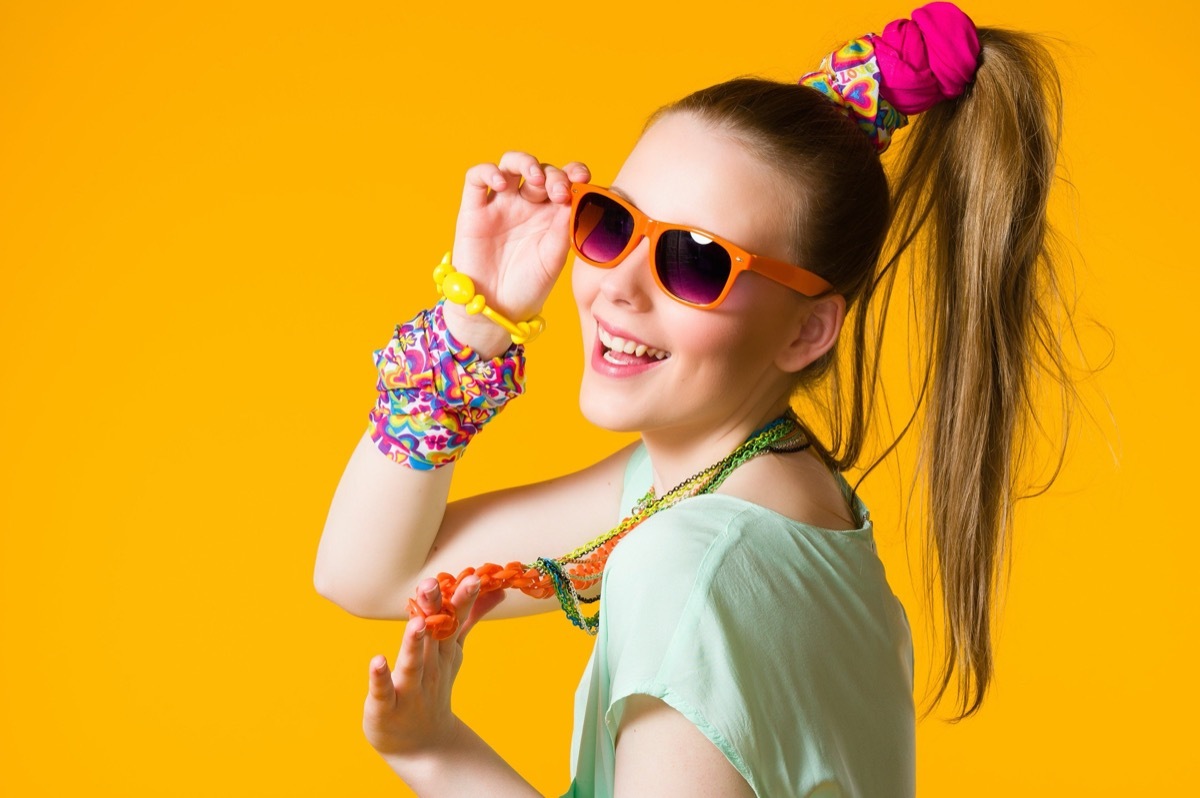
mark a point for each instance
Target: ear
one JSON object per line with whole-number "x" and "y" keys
{"x": 817, "y": 330}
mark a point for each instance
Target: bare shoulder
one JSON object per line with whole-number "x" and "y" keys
{"x": 798, "y": 485}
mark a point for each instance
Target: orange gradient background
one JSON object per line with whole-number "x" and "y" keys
{"x": 210, "y": 215}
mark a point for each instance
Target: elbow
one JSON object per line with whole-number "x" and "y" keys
{"x": 355, "y": 600}
{"x": 327, "y": 587}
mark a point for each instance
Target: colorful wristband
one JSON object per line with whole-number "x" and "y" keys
{"x": 435, "y": 393}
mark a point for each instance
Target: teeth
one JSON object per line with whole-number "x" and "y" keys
{"x": 619, "y": 344}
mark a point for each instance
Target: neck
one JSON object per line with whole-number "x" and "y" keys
{"x": 678, "y": 452}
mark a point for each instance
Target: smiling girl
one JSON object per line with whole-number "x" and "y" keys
{"x": 747, "y": 641}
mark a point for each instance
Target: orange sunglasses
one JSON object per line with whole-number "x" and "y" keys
{"x": 690, "y": 265}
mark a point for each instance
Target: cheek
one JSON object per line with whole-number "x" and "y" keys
{"x": 743, "y": 337}
{"x": 731, "y": 354}
{"x": 710, "y": 347}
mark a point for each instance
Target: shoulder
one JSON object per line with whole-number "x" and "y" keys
{"x": 716, "y": 538}
{"x": 798, "y": 486}
{"x": 686, "y": 563}
{"x": 658, "y": 578}
{"x": 724, "y": 569}
{"x": 677, "y": 545}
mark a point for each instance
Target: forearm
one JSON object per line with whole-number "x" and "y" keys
{"x": 466, "y": 766}
{"x": 382, "y": 522}
{"x": 435, "y": 393}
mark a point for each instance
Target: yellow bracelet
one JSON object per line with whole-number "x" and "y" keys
{"x": 459, "y": 288}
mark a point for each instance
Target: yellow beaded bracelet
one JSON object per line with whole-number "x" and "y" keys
{"x": 459, "y": 288}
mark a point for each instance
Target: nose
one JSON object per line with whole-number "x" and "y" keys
{"x": 629, "y": 284}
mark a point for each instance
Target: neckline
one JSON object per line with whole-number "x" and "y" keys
{"x": 865, "y": 531}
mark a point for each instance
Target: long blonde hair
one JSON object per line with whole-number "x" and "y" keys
{"x": 968, "y": 211}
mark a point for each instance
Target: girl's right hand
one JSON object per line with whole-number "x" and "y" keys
{"x": 512, "y": 241}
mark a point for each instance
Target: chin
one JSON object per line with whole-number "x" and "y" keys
{"x": 604, "y": 414}
{"x": 612, "y": 414}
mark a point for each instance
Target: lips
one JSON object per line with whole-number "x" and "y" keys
{"x": 616, "y": 344}
{"x": 609, "y": 361}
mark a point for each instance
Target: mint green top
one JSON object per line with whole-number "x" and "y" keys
{"x": 780, "y": 641}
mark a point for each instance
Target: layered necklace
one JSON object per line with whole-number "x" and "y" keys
{"x": 581, "y": 570}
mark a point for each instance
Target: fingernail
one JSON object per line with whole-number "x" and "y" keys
{"x": 532, "y": 171}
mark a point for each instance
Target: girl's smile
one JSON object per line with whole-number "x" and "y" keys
{"x": 619, "y": 354}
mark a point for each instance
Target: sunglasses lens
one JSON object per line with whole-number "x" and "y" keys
{"x": 691, "y": 267}
{"x": 602, "y": 228}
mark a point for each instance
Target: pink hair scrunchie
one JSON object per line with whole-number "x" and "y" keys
{"x": 927, "y": 59}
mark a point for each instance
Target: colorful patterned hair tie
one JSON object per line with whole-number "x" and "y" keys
{"x": 849, "y": 76}
{"x": 435, "y": 393}
{"x": 915, "y": 64}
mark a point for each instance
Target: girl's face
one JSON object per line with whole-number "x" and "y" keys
{"x": 721, "y": 366}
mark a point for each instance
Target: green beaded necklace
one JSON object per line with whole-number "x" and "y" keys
{"x": 583, "y": 568}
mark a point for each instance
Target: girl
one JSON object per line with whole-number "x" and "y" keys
{"x": 747, "y": 640}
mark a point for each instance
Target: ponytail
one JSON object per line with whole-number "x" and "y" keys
{"x": 971, "y": 188}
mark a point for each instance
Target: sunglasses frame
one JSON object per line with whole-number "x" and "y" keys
{"x": 795, "y": 277}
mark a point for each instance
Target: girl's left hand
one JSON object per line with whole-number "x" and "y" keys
{"x": 407, "y": 711}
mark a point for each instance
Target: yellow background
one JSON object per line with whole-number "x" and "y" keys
{"x": 211, "y": 213}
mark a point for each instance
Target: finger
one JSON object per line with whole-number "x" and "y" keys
{"x": 426, "y": 650}
{"x": 558, "y": 185}
{"x": 410, "y": 662}
{"x": 483, "y": 605}
{"x": 429, "y": 596}
{"x": 482, "y": 179}
{"x": 523, "y": 164}
{"x": 380, "y": 687}
{"x": 533, "y": 191}
{"x": 529, "y": 170}
{"x": 463, "y": 600}
{"x": 577, "y": 172}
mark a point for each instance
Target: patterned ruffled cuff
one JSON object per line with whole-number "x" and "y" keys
{"x": 850, "y": 78}
{"x": 435, "y": 393}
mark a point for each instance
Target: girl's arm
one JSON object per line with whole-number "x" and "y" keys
{"x": 660, "y": 752}
{"x": 389, "y": 526}
{"x": 466, "y": 767}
